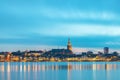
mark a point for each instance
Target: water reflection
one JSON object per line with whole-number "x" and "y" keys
{"x": 8, "y": 67}
{"x": 70, "y": 70}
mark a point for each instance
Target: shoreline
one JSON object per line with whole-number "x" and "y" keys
{"x": 61, "y": 61}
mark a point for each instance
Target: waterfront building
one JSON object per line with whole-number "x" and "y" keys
{"x": 2, "y": 57}
{"x": 7, "y": 56}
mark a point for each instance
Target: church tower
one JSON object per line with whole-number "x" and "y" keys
{"x": 69, "y": 46}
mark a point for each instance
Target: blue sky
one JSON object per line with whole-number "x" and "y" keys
{"x": 36, "y": 24}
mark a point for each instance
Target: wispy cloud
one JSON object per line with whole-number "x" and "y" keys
{"x": 81, "y": 30}
{"x": 113, "y": 43}
{"x": 79, "y": 14}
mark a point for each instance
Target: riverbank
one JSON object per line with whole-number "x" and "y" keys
{"x": 63, "y": 60}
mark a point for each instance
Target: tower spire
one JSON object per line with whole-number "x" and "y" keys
{"x": 69, "y": 46}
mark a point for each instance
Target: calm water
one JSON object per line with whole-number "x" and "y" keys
{"x": 60, "y": 71}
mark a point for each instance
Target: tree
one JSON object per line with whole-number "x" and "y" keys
{"x": 115, "y": 53}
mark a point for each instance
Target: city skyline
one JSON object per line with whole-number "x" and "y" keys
{"x": 47, "y": 24}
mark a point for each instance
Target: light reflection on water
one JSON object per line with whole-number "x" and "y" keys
{"x": 60, "y": 71}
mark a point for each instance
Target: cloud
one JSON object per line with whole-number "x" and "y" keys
{"x": 80, "y": 30}
{"x": 113, "y": 43}
{"x": 79, "y": 14}
{"x": 56, "y": 11}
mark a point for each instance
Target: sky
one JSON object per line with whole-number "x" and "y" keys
{"x": 47, "y": 24}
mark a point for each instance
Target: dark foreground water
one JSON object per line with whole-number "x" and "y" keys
{"x": 60, "y": 71}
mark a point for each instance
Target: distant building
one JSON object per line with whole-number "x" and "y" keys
{"x": 69, "y": 46}
{"x": 106, "y": 50}
{"x": 63, "y": 51}
{"x": 34, "y": 53}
